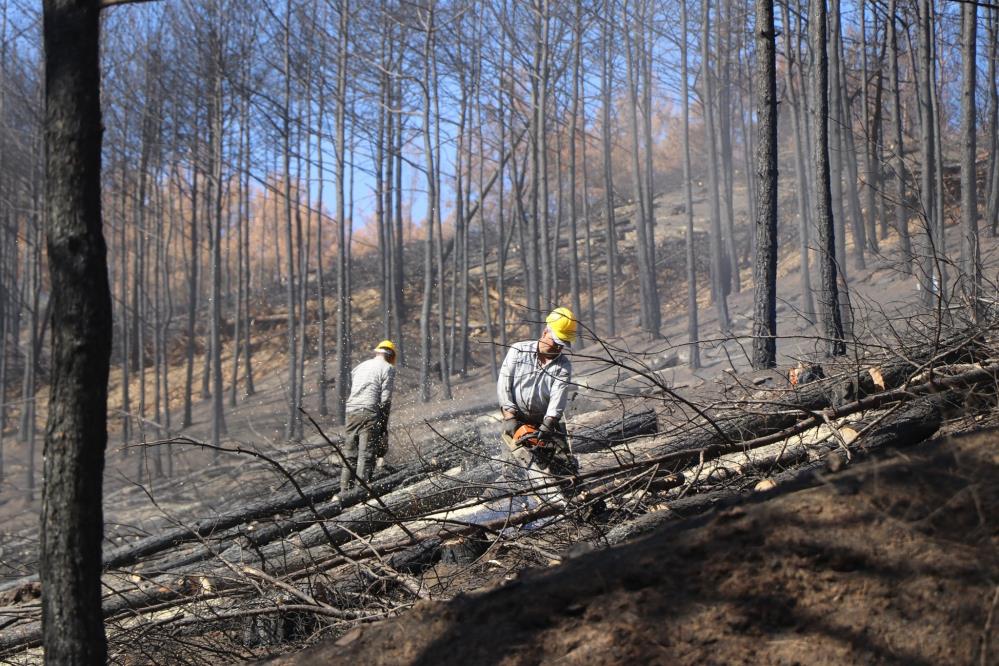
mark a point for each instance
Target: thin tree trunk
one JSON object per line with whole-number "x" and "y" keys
{"x": 118, "y": 214}
{"x": 303, "y": 239}
{"x": 343, "y": 295}
{"x": 587, "y": 230}
{"x": 645, "y": 37}
{"x": 399, "y": 271}
{"x": 860, "y": 242}
{"x": 992, "y": 205}
{"x": 765, "y": 273}
{"x": 927, "y": 159}
{"x": 291, "y": 427}
{"x": 969, "y": 193}
{"x": 723, "y": 127}
{"x": 487, "y": 309}
{"x": 838, "y": 126}
{"x": 242, "y": 227}
{"x": 898, "y": 149}
{"x": 719, "y": 279}
{"x": 828, "y": 294}
{"x": 577, "y": 46}
{"x": 693, "y": 335}
{"x": 607, "y": 82}
{"x": 218, "y": 415}
{"x": 797, "y": 104}
{"x": 381, "y": 210}
{"x": 546, "y": 291}
{"x": 459, "y": 275}
{"x": 844, "y": 158}
{"x": 639, "y": 216}
{"x": 870, "y": 137}
{"x": 941, "y": 257}
{"x": 749, "y": 149}
{"x": 445, "y": 370}
{"x": 33, "y": 258}
{"x": 248, "y": 332}
{"x": 428, "y": 256}
{"x": 322, "y": 359}
{"x": 192, "y": 301}
{"x": 501, "y": 251}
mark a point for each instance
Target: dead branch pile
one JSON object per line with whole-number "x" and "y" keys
{"x": 306, "y": 561}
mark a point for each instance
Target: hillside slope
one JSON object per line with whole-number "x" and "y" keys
{"x": 893, "y": 561}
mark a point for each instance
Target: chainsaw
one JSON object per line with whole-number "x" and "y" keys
{"x": 528, "y": 436}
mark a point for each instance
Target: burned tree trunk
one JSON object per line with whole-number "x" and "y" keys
{"x": 694, "y": 353}
{"x": 719, "y": 263}
{"x": 829, "y": 292}
{"x": 765, "y": 272}
{"x": 76, "y": 433}
{"x": 898, "y": 165}
{"x": 970, "y": 260}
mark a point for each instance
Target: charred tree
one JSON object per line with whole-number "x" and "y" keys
{"x": 829, "y": 292}
{"x": 719, "y": 263}
{"x": 606, "y": 84}
{"x": 76, "y": 432}
{"x": 898, "y": 147}
{"x": 765, "y": 268}
{"x": 694, "y": 354}
{"x": 970, "y": 260}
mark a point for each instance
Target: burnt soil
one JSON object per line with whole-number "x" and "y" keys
{"x": 893, "y": 561}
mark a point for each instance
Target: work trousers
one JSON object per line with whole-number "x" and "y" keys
{"x": 366, "y": 439}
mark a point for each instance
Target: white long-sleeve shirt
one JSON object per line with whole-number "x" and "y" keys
{"x": 371, "y": 384}
{"x": 536, "y": 390}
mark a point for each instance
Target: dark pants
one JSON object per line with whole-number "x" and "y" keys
{"x": 365, "y": 442}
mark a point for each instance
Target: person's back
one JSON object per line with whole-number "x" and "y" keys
{"x": 371, "y": 385}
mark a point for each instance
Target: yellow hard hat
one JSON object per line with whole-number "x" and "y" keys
{"x": 386, "y": 345}
{"x": 562, "y": 325}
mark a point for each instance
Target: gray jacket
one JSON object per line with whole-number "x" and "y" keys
{"x": 371, "y": 384}
{"x": 537, "y": 391}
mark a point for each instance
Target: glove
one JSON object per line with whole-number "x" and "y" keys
{"x": 548, "y": 429}
{"x": 510, "y": 426}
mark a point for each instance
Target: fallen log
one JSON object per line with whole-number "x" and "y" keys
{"x": 586, "y": 439}
{"x": 255, "y": 538}
{"x": 417, "y": 500}
{"x": 913, "y": 424}
{"x": 439, "y": 457}
{"x": 774, "y": 412}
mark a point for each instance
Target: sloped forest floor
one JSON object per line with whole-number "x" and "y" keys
{"x": 894, "y": 561}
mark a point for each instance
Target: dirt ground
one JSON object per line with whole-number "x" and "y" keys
{"x": 894, "y": 561}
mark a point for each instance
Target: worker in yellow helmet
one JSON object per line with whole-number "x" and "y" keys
{"x": 368, "y": 407}
{"x": 533, "y": 388}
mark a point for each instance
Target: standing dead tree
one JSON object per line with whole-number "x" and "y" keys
{"x": 765, "y": 271}
{"x": 829, "y": 293}
{"x": 76, "y": 432}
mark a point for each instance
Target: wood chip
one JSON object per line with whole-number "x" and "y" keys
{"x": 349, "y": 637}
{"x": 849, "y": 434}
{"x": 765, "y": 484}
{"x": 879, "y": 380}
